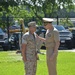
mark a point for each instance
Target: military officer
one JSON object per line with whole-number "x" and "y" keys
{"x": 29, "y": 52}
{"x": 52, "y": 42}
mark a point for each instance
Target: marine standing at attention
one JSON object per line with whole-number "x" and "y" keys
{"x": 29, "y": 52}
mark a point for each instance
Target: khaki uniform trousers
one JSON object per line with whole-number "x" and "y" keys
{"x": 51, "y": 64}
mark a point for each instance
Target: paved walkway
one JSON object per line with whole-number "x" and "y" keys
{"x": 73, "y": 50}
{"x": 44, "y": 52}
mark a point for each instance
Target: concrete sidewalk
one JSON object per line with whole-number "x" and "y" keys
{"x": 72, "y": 50}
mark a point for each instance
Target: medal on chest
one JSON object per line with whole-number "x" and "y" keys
{"x": 49, "y": 34}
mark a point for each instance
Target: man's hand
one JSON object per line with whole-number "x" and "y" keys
{"x": 41, "y": 38}
{"x": 54, "y": 55}
{"x": 37, "y": 56}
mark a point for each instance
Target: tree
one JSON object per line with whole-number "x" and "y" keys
{"x": 49, "y": 7}
{"x": 14, "y": 8}
{"x": 41, "y": 8}
{"x": 37, "y": 8}
{"x": 66, "y": 22}
{"x": 4, "y": 4}
{"x": 4, "y": 7}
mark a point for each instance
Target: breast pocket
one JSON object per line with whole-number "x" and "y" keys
{"x": 30, "y": 41}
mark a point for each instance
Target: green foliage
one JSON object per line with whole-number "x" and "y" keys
{"x": 49, "y": 7}
{"x": 4, "y": 5}
{"x": 29, "y": 9}
{"x": 66, "y": 22}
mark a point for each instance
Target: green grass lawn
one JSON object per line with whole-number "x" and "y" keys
{"x": 11, "y": 64}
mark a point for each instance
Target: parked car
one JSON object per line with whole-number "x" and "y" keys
{"x": 14, "y": 40}
{"x": 73, "y": 33}
{"x": 65, "y": 35}
{"x": 4, "y": 40}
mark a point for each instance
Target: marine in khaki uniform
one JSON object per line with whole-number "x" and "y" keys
{"x": 29, "y": 52}
{"x": 52, "y": 42}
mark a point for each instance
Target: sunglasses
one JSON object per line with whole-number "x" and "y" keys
{"x": 46, "y": 23}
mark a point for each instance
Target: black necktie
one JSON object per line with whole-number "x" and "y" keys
{"x": 34, "y": 36}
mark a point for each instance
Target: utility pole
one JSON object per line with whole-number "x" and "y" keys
{"x": 8, "y": 28}
{"x": 57, "y": 20}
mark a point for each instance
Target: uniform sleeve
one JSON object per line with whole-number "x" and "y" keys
{"x": 24, "y": 39}
{"x": 56, "y": 36}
